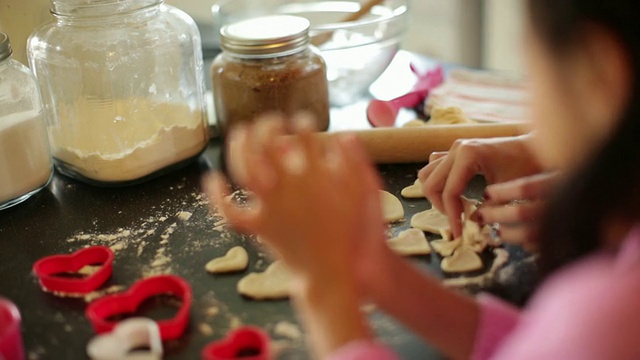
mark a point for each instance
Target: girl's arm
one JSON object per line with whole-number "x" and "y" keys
{"x": 446, "y": 319}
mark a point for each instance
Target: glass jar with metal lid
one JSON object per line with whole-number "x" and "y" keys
{"x": 123, "y": 88}
{"x": 267, "y": 65}
{"x": 25, "y": 160}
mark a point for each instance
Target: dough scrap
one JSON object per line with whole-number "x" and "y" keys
{"x": 287, "y": 330}
{"x": 501, "y": 258}
{"x": 409, "y": 243}
{"x": 413, "y": 191}
{"x": 473, "y": 235}
{"x": 414, "y": 123}
{"x": 464, "y": 259}
{"x": 272, "y": 284}
{"x": 392, "y": 209}
{"x": 236, "y": 259}
{"x": 449, "y": 116}
{"x": 445, "y": 247}
{"x": 431, "y": 220}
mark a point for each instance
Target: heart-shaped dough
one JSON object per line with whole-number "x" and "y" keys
{"x": 236, "y": 259}
{"x": 431, "y": 220}
{"x": 247, "y": 342}
{"x": 445, "y": 247}
{"x": 464, "y": 259}
{"x": 102, "y": 310}
{"x": 409, "y": 243}
{"x": 413, "y": 191}
{"x": 392, "y": 209}
{"x": 271, "y": 284}
{"x": 47, "y": 268}
{"x": 130, "y": 334}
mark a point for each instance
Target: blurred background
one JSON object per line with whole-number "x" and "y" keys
{"x": 476, "y": 33}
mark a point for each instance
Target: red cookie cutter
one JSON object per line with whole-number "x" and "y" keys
{"x": 46, "y": 269}
{"x": 246, "y": 343}
{"x": 99, "y": 311}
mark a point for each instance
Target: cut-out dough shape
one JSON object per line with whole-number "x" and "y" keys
{"x": 445, "y": 247}
{"x": 272, "y": 284}
{"x": 431, "y": 220}
{"x": 392, "y": 209}
{"x": 236, "y": 259}
{"x": 414, "y": 123}
{"x": 501, "y": 258}
{"x": 410, "y": 242}
{"x": 464, "y": 259}
{"x": 413, "y": 191}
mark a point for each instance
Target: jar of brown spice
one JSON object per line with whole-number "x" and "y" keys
{"x": 267, "y": 65}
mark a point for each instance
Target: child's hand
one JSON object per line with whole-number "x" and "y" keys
{"x": 314, "y": 202}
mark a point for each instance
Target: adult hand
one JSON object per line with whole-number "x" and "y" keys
{"x": 515, "y": 206}
{"x": 446, "y": 176}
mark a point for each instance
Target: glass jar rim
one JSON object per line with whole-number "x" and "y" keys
{"x": 5, "y": 47}
{"x": 98, "y": 8}
{"x": 266, "y": 35}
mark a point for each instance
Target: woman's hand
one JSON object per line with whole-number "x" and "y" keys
{"x": 314, "y": 204}
{"x": 515, "y": 206}
{"x": 446, "y": 176}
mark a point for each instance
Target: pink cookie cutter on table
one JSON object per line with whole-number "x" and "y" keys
{"x": 11, "y": 347}
{"x": 246, "y": 343}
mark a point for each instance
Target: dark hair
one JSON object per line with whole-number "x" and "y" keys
{"x": 607, "y": 186}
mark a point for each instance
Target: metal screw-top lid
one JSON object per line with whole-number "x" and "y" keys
{"x": 266, "y": 36}
{"x": 5, "y": 46}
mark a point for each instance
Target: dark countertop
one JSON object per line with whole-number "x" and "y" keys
{"x": 142, "y": 225}
{"x": 135, "y": 220}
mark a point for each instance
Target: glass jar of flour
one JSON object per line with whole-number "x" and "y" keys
{"x": 25, "y": 161}
{"x": 123, "y": 88}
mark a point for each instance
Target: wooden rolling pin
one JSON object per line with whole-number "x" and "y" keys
{"x": 415, "y": 144}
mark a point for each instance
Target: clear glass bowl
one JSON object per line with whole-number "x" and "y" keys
{"x": 356, "y": 52}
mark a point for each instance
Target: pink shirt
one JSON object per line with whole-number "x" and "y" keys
{"x": 589, "y": 310}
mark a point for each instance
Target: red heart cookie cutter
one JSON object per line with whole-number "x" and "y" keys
{"x": 46, "y": 269}
{"x": 99, "y": 311}
{"x": 247, "y": 343}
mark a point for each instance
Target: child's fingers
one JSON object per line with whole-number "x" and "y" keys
{"x": 436, "y": 155}
{"x": 217, "y": 189}
{"x": 515, "y": 213}
{"x": 261, "y": 171}
{"x": 527, "y": 188}
{"x": 304, "y": 128}
{"x": 235, "y": 153}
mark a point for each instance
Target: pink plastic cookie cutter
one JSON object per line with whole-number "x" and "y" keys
{"x": 246, "y": 343}
{"x": 47, "y": 270}
{"x": 11, "y": 347}
{"x": 101, "y": 311}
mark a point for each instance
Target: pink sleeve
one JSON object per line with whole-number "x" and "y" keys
{"x": 363, "y": 350}
{"x": 497, "y": 319}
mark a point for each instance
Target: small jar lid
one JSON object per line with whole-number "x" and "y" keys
{"x": 5, "y": 46}
{"x": 266, "y": 36}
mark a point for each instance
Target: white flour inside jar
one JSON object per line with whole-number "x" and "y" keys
{"x": 25, "y": 162}
{"x": 127, "y": 139}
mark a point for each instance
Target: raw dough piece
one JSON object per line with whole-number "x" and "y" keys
{"x": 409, "y": 243}
{"x": 445, "y": 247}
{"x": 431, "y": 220}
{"x": 287, "y": 330}
{"x": 392, "y": 209}
{"x": 272, "y": 284}
{"x": 448, "y": 116}
{"x": 464, "y": 259}
{"x": 413, "y": 191}
{"x": 473, "y": 235}
{"x": 501, "y": 258}
{"x": 414, "y": 123}
{"x": 236, "y": 259}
